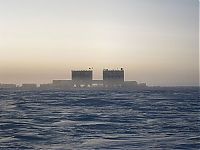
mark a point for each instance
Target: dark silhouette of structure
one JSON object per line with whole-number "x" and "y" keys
{"x": 7, "y": 86}
{"x": 29, "y": 86}
{"x": 81, "y": 75}
{"x": 84, "y": 79}
{"x": 113, "y": 77}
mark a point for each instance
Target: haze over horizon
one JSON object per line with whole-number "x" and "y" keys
{"x": 156, "y": 42}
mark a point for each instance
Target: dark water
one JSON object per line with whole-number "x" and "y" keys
{"x": 149, "y": 119}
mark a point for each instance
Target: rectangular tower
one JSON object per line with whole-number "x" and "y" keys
{"x": 113, "y": 76}
{"x": 82, "y": 75}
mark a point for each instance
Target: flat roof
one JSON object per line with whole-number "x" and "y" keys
{"x": 82, "y": 70}
{"x": 121, "y": 69}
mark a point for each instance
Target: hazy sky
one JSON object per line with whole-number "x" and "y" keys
{"x": 156, "y": 41}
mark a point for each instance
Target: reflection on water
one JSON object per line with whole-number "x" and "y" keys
{"x": 150, "y": 119}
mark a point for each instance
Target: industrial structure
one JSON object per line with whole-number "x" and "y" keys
{"x": 29, "y": 86}
{"x": 82, "y": 75}
{"x": 113, "y": 77}
{"x": 84, "y": 79}
{"x": 8, "y": 86}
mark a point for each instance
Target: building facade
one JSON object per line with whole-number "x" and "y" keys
{"x": 113, "y": 77}
{"x": 81, "y": 75}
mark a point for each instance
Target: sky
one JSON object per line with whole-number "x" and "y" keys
{"x": 155, "y": 41}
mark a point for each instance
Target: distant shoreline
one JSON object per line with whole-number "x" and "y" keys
{"x": 101, "y": 88}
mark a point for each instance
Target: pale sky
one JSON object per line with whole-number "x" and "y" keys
{"x": 155, "y": 41}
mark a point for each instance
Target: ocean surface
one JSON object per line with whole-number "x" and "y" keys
{"x": 151, "y": 119}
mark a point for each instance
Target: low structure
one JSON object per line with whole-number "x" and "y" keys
{"x": 46, "y": 86}
{"x": 130, "y": 84}
{"x": 8, "y": 86}
{"x": 29, "y": 86}
{"x": 62, "y": 84}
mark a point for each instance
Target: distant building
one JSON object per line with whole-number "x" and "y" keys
{"x": 8, "y": 86}
{"x": 29, "y": 86}
{"x": 129, "y": 84}
{"x": 60, "y": 84}
{"x": 82, "y": 78}
{"x": 113, "y": 77}
{"x": 46, "y": 86}
{"x": 142, "y": 85}
{"x": 81, "y": 75}
{"x": 133, "y": 85}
